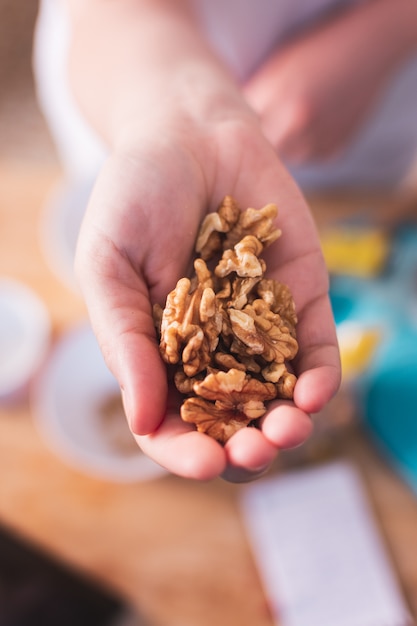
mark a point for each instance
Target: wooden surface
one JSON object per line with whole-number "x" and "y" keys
{"x": 173, "y": 548}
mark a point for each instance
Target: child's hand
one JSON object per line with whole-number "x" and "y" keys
{"x": 137, "y": 241}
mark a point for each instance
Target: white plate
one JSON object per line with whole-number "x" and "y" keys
{"x": 24, "y": 335}
{"x": 69, "y": 401}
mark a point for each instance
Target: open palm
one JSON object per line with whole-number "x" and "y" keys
{"x": 137, "y": 240}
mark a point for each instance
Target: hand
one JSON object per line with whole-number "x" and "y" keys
{"x": 181, "y": 137}
{"x": 314, "y": 93}
{"x": 137, "y": 239}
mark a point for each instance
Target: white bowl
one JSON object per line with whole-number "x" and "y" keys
{"x": 60, "y": 225}
{"x": 24, "y": 336}
{"x": 77, "y": 406}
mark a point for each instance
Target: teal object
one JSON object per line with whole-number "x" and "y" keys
{"x": 389, "y": 401}
{"x": 387, "y": 390}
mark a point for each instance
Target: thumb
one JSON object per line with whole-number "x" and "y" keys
{"x": 118, "y": 304}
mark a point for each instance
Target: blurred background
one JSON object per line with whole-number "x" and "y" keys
{"x": 81, "y": 544}
{"x": 35, "y": 587}
{"x": 23, "y": 133}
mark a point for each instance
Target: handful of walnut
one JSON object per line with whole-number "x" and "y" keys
{"x": 229, "y": 332}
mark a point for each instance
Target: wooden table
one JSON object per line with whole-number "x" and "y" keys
{"x": 173, "y": 548}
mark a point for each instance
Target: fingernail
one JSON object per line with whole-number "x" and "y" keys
{"x": 261, "y": 469}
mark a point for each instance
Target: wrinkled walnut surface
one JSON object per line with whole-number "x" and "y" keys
{"x": 230, "y": 332}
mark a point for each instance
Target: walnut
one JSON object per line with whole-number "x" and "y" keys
{"x": 263, "y": 332}
{"x": 242, "y": 362}
{"x": 209, "y": 240}
{"x": 225, "y": 228}
{"x": 285, "y": 381}
{"x": 190, "y": 326}
{"x": 235, "y": 399}
{"x": 285, "y": 386}
{"x": 241, "y": 290}
{"x": 258, "y": 223}
{"x": 229, "y": 331}
{"x": 185, "y": 383}
{"x": 274, "y": 371}
{"x": 279, "y": 298}
{"x": 208, "y": 418}
{"x": 243, "y": 259}
{"x": 235, "y": 390}
{"x": 227, "y": 361}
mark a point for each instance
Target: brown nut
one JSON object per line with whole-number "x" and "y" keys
{"x": 243, "y": 259}
{"x": 190, "y": 326}
{"x": 229, "y": 331}
{"x": 209, "y": 239}
{"x": 279, "y": 299}
{"x": 262, "y": 332}
{"x": 258, "y": 223}
{"x": 216, "y": 422}
{"x": 231, "y": 400}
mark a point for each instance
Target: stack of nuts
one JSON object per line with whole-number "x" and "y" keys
{"x": 230, "y": 332}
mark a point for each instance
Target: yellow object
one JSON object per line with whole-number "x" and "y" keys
{"x": 355, "y": 251}
{"x": 357, "y": 347}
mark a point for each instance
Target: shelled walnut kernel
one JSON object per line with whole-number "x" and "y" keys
{"x": 230, "y": 332}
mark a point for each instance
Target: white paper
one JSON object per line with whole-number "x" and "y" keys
{"x": 319, "y": 552}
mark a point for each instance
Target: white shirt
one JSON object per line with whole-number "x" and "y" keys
{"x": 242, "y": 32}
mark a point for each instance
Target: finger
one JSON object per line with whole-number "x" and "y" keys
{"x": 249, "y": 449}
{"x": 249, "y": 455}
{"x": 142, "y": 376}
{"x": 286, "y": 426}
{"x": 304, "y": 270}
{"x": 318, "y": 361}
{"x": 183, "y": 451}
{"x": 296, "y": 260}
{"x": 120, "y": 314}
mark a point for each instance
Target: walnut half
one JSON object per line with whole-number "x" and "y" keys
{"x": 230, "y": 332}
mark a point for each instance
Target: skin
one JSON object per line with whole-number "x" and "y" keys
{"x": 314, "y": 93}
{"x": 181, "y": 135}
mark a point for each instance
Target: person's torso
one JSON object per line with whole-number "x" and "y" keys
{"x": 243, "y": 32}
